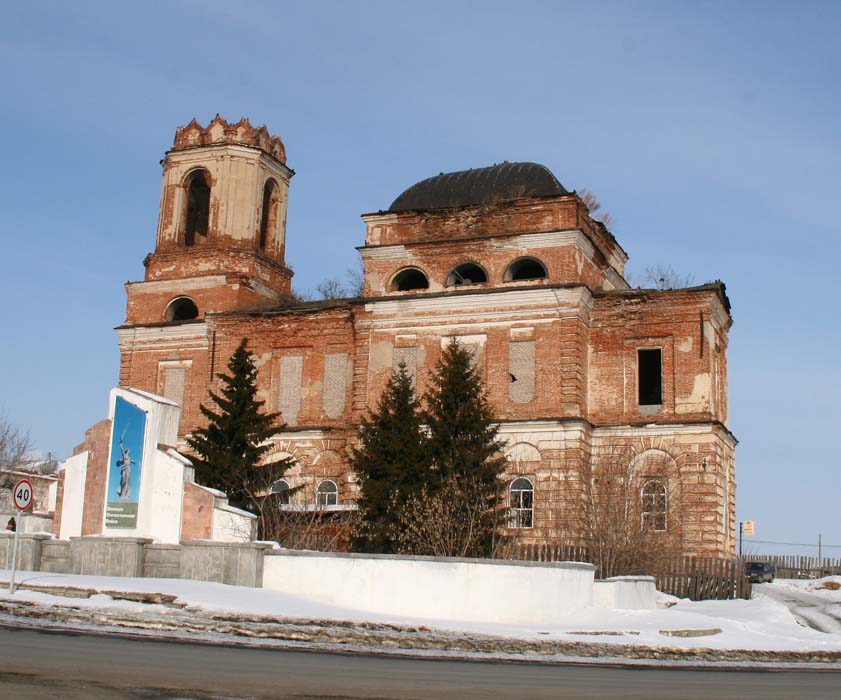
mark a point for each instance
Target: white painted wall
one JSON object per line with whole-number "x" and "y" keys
{"x": 626, "y": 593}
{"x": 73, "y": 501}
{"x": 475, "y": 590}
{"x": 232, "y": 524}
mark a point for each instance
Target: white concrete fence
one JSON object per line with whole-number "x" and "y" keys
{"x": 476, "y": 590}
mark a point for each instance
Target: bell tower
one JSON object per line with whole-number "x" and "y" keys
{"x": 221, "y": 235}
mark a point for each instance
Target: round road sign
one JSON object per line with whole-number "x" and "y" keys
{"x": 23, "y": 494}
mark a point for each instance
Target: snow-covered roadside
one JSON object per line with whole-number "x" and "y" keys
{"x": 812, "y": 602}
{"x": 721, "y": 632}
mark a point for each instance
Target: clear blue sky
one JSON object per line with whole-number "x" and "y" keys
{"x": 710, "y": 131}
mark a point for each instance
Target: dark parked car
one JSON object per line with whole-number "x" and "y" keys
{"x": 760, "y": 571}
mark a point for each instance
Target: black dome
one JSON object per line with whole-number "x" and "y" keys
{"x": 499, "y": 183}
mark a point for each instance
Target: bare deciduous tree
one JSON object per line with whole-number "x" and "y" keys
{"x": 449, "y": 521}
{"x": 594, "y": 205}
{"x": 295, "y": 520}
{"x": 338, "y": 288}
{"x": 661, "y": 277}
{"x": 15, "y": 446}
{"x": 629, "y": 522}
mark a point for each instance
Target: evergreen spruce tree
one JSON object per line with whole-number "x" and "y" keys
{"x": 392, "y": 462}
{"x": 229, "y": 450}
{"x": 463, "y": 442}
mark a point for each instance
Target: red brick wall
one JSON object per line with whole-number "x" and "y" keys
{"x": 197, "y": 513}
{"x": 96, "y": 444}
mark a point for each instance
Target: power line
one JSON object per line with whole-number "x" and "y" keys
{"x": 793, "y": 544}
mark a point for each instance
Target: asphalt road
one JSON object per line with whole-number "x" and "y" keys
{"x": 49, "y": 666}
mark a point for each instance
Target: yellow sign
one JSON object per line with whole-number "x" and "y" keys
{"x": 747, "y": 527}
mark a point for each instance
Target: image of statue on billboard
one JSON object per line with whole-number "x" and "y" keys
{"x": 126, "y": 466}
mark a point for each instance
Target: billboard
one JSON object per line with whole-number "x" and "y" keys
{"x": 126, "y": 465}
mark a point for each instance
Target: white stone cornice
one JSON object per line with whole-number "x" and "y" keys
{"x": 654, "y": 429}
{"x": 302, "y": 434}
{"x": 545, "y": 297}
{"x": 501, "y": 241}
{"x": 185, "y": 334}
{"x": 179, "y": 285}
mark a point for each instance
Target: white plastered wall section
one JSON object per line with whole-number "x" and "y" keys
{"x": 73, "y": 500}
{"x": 477, "y": 590}
{"x": 231, "y": 524}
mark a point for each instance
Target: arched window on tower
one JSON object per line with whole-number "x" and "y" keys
{"x": 198, "y": 206}
{"x": 181, "y": 309}
{"x": 409, "y": 279}
{"x": 525, "y": 269}
{"x": 268, "y": 218}
{"x": 467, "y": 273}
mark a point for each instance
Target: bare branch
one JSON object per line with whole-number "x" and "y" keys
{"x": 661, "y": 277}
{"x": 15, "y": 446}
{"x": 594, "y": 205}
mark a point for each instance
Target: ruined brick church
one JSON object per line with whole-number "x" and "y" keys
{"x": 579, "y": 367}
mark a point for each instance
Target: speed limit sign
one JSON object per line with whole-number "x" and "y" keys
{"x": 23, "y": 494}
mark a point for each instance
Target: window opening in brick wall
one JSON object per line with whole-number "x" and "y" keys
{"x": 409, "y": 279}
{"x": 198, "y": 206}
{"x": 525, "y": 269}
{"x": 650, "y": 370}
{"x": 181, "y": 309}
{"x": 268, "y": 218}
{"x": 521, "y": 508}
{"x": 468, "y": 273}
{"x": 280, "y": 490}
{"x": 327, "y": 493}
{"x": 653, "y": 506}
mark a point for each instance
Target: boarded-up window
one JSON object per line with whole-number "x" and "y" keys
{"x": 409, "y": 357}
{"x": 335, "y": 384}
{"x": 291, "y": 373}
{"x": 521, "y": 371}
{"x": 173, "y": 388}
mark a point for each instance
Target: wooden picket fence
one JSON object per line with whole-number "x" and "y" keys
{"x": 696, "y": 578}
{"x": 800, "y": 566}
{"x": 704, "y": 578}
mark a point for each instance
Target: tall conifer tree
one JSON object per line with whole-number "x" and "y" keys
{"x": 463, "y": 442}
{"x": 392, "y": 461}
{"x": 463, "y": 435}
{"x": 229, "y": 450}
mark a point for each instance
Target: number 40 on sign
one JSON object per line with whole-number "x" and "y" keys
{"x": 23, "y": 494}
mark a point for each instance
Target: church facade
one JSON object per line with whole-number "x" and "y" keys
{"x": 583, "y": 372}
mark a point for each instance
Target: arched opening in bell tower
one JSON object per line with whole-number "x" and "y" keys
{"x": 198, "y": 207}
{"x": 181, "y": 309}
{"x": 268, "y": 219}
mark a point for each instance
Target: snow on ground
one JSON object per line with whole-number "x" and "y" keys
{"x": 762, "y": 624}
{"x": 822, "y": 587}
{"x": 809, "y": 601}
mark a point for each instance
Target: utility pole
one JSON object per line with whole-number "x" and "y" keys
{"x": 741, "y": 528}
{"x": 820, "y": 562}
